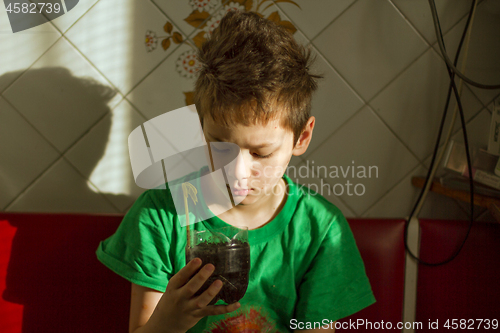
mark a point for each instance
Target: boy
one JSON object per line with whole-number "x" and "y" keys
{"x": 254, "y": 90}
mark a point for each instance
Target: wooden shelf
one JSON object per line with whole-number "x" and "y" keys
{"x": 493, "y": 204}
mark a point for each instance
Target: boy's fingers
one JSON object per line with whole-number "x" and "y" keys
{"x": 208, "y": 295}
{"x": 214, "y": 310}
{"x": 182, "y": 276}
{"x": 193, "y": 285}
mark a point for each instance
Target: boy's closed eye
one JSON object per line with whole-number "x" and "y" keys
{"x": 263, "y": 156}
{"x": 223, "y": 147}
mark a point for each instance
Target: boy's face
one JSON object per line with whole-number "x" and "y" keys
{"x": 262, "y": 159}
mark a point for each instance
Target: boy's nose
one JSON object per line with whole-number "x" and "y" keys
{"x": 242, "y": 168}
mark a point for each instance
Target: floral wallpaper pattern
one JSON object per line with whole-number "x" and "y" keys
{"x": 205, "y": 19}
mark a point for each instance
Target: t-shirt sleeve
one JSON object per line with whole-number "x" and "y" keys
{"x": 335, "y": 285}
{"x": 138, "y": 250}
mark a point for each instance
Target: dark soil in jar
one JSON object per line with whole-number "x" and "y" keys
{"x": 232, "y": 267}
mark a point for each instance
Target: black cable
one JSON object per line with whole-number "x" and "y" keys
{"x": 436, "y": 147}
{"x": 445, "y": 55}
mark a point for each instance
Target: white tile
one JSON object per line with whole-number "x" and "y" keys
{"x": 478, "y": 130}
{"x": 400, "y": 200}
{"x": 189, "y": 14}
{"x": 65, "y": 21}
{"x": 441, "y": 171}
{"x": 66, "y": 95}
{"x": 365, "y": 143}
{"x": 491, "y": 106}
{"x": 484, "y": 50}
{"x": 24, "y": 153}
{"x": 369, "y": 44}
{"x": 102, "y": 156}
{"x": 477, "y": 134}
{"x": 333, "y": 103}
{"x": 412, "y": 105}
{"x": 287, "y": 22}
{"x": 112, "y": 35}
{"x": 61, "y": 189}
{"x": 419, "y": 15}
{"x": 63, "y": 54}
{"x": 19, "y": 50}
{"x": 164, "y": 90}
{"x": 302, "y": 174}
{"x": 295, "y": 161}
{"x": 312, "y": 17}
{"x": 470, "y": 105}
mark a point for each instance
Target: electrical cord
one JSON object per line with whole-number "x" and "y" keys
{"x": 445, "y": 55}
{"x": 464, "y": 130}
{"x": 455, "y": 111}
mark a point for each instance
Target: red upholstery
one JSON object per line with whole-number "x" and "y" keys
{"x": 380, "y": 243}
{"x": 50, "y": 279}
{"x": 469, "y": 286}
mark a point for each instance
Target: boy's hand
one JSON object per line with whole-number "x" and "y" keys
{"x": 178, "y": 309}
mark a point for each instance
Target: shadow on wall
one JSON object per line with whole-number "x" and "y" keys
{"x": 63, "y": 108}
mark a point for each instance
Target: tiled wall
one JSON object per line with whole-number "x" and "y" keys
{"x": 73, "y": 89}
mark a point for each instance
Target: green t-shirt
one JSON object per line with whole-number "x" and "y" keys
{"x": 304, "y": 264}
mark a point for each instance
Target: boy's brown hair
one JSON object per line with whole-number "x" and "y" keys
{"x": 253, "y": 71}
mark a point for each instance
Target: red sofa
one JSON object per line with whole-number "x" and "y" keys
{"x": 466, "y": 289}
{"x": 51, "y": 281}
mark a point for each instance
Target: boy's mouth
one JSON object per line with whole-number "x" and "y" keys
{"x": 239, "y": 191}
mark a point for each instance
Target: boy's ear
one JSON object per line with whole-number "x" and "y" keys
{"x": 304, "y": 138}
